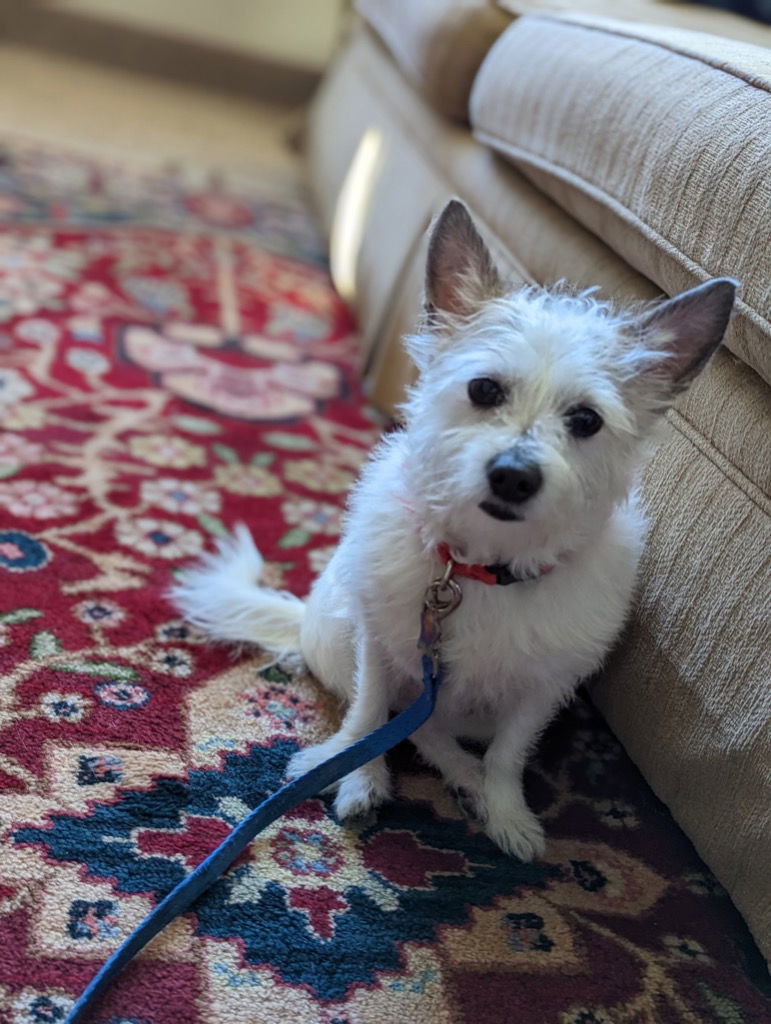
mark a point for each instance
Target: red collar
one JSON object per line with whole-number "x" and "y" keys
{"x": 493, "y": 575}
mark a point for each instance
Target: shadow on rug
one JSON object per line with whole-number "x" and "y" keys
{"x": 173, "y": 359}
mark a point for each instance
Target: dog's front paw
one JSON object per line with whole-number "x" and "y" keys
{"x": 309, "y": 758}
{"x": 517, "y": 833}
{"x": 471, "y": 801}
{"x": 363, "y": 790}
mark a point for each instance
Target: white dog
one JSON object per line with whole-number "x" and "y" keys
{"x": 521, "y": 440}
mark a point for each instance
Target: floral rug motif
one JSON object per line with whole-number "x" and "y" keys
{"x": 173, "y": 360}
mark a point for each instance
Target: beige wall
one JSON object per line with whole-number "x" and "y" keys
{"x": 298, "y": 32}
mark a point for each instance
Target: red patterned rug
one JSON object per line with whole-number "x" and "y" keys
{"x": 173, "y": 359}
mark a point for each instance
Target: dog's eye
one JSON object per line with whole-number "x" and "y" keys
{"x": 484, "y": 391}
{"x": 583, "y": 421}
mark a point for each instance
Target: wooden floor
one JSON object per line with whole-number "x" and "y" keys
{"x": 119, "y": 113}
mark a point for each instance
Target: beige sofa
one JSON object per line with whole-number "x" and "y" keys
{"x": 634, "y": 155}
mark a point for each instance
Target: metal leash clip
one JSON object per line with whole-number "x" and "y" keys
{"x": 442, "y": 597}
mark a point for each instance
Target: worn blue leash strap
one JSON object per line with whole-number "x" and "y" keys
{"x": 293, "y": 793}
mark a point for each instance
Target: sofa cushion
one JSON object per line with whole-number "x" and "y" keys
{"x": 656, "y": 139}
{"x": 687, "y": 691}
{"x": 438, "y": 45}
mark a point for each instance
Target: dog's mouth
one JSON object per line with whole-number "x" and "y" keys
{"x": 500, "y": 511}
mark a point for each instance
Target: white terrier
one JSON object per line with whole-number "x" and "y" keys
{"x": 521, "y": 441}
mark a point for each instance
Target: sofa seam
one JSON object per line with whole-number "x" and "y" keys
{"x": 752, "y": 491}
{"x": 619, "y": 33}
{"x": 599, "y": 194}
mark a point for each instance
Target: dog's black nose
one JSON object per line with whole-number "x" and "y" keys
{"x": 512, "y": 479}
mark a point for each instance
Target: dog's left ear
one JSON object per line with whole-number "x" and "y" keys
{"x": 460, "y": 272}
{"x": 688, "y": 329}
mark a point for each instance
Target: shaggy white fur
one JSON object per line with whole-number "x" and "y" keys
{"x": 554, "y": 366}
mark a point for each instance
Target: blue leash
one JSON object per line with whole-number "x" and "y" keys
{"x": 442, "y": 597}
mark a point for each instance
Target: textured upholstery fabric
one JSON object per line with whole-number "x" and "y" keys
{"x": 438, "y": 45}
{"x": 688, "y": 689}
{"x": 656, "y": 139}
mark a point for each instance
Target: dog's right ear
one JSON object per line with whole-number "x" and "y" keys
{"x": 686, "y": 330}
{"x": 460, "y": 272}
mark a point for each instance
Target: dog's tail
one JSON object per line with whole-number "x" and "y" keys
{"x": 223, "y": 597}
